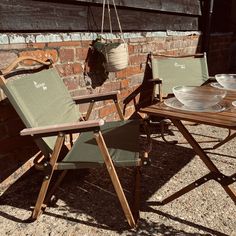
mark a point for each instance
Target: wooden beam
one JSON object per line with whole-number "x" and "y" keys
{"x": 191, "y": 7}
{"x": 35, "y": 16}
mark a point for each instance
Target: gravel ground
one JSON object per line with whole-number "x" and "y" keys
{"x": 87, "y": 204}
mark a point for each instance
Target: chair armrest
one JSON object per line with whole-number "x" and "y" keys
{"x": 96, "y": 97}
{"x": 155, "y": 81}
{"x": 74, "y": 127}
{"x": 211, "y": 78}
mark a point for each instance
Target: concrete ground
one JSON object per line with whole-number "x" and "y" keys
{"x": 87, "y": 204}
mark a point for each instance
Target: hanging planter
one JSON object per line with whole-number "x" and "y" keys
{"x": 115, "y": 53}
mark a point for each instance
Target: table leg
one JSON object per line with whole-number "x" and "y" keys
{"x": 207, "y": 161}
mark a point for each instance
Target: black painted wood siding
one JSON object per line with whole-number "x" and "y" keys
{"x": 85, "y": 15}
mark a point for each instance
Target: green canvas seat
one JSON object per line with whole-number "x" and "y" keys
{"x": 52, "y": 116}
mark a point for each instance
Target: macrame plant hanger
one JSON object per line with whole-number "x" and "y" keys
{"x": 116, "y": 53}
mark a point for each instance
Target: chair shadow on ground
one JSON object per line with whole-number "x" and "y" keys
{"x": 89, "y": 198}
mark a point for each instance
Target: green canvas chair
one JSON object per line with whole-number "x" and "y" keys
{"x": 51, "y": 116}
{"x": 170, "y": 71}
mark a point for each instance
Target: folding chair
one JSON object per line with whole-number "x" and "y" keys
{"x": 170, "y": 71}
{"x": 52, "y": 117}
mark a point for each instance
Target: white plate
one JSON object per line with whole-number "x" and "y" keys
{"x": 217, "y": 85}
{"x": 174, "y": 103}
{"x": 234, "y": 103}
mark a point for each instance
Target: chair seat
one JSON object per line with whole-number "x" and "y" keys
{"x": 121, "y": 138}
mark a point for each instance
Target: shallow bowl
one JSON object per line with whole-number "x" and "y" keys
{"x": 227, "y": 81}
{"x": 197, "y": 97}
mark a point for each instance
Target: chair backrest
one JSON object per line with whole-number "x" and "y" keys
{"x": 182, "y": 70}
{"x": 41, "y": 99}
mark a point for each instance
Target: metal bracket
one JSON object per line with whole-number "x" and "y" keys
{"x": 223, "y": 179}
{"x": 47, "y": 169}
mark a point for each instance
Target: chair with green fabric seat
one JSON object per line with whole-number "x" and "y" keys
{"x": 51, "y": 116}
{"x": 169, "y": 71}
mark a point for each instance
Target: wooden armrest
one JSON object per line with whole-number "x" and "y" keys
{"x": 178, "y": 56}
{"x": 22, "y": 58}
{"x": 66, "y": 128}
{"x": 155, "y": 81}
{"x": 96, "y": 97}
{"x": 211, "y": 78}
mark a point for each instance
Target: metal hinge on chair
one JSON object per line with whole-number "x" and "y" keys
{"x": 46, "y": 168}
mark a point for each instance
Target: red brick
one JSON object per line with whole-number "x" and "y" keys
{"x": 66, "y": 55}
{"x": 131, "y": 49}
{"x": 36, "y": 45}
{"x": 64, "y": 44}
{"x": 65, "y": 70}
{"x": 124, "y": 83}
{"x": 77, "y": 68}
{"x": 86, "y": 44}
{"x": 106, "y": 111}
{"x": 137, "y": 59}
{"x": 16, "y": 46}
{"x": 121, "y": 74}
{"x": 6, "y": 58}
{"x": 71, "y": 83}
{"x": 81, "y": 53}
{"x": 129, "y": 111}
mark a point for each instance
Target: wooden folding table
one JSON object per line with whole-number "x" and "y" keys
{"x": 224, "y": 119}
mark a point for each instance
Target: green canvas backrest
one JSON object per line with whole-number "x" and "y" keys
{"x": 42, "y": 99}
{"x": 179, "y": 71}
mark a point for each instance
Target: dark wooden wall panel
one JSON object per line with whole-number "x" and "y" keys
{"x": 81, "y": 15}
{"x": 191, "y": 7}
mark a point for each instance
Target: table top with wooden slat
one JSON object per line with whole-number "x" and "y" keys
{"x": 224, "y": 119}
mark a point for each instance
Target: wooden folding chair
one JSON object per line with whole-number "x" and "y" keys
{"x": 51, "y": 116}
{"x": 169, "y": 71}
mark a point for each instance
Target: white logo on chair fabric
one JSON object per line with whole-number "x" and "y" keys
{"x": 40, "y": 85}
{"x": 179, "y": 65}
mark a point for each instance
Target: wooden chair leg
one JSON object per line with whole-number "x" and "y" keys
{"x": 115, "y": 180}
{"x": 47, "y": 179}
{"x": 119, "y": 110}
{"x": 89, "y": 110}
{"x": 54, "y": 187}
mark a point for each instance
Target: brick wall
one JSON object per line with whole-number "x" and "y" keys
{"x": 220, "y": 47}
{"x": 69, "y": 51}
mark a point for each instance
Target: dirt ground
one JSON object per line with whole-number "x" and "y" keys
{"x": 87, "y": 204}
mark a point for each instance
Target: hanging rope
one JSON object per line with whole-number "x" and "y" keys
{"x": 115, "y": 53}
{"x": 109, "y": 16}
{"x": 117, "y": 17}
{"x": 103, "y": 14}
